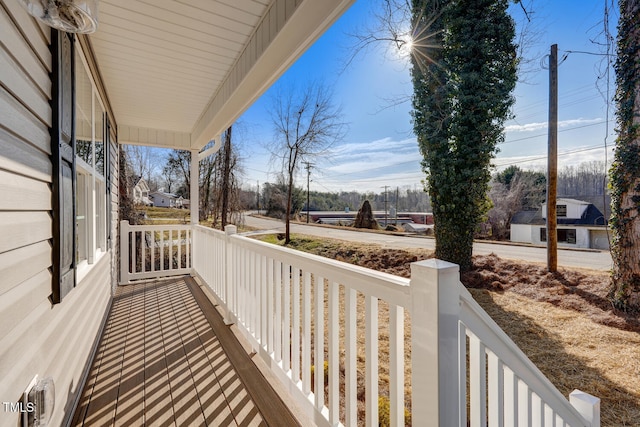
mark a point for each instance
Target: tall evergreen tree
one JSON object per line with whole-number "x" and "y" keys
{"x": 464, "y": 69}
{"x": 625, "y": 172}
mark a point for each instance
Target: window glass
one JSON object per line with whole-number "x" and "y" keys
{"x": 84, "y": 96}
{"x": 561, "y": 210}
{"x": 99, "y": 137}
{"x": 81, "y": 216}
{"x": 91, "y": 163}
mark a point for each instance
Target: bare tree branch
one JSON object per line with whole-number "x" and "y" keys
{"x": 306, "y": 124}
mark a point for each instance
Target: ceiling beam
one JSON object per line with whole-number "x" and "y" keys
{"x": 154, "y": 137}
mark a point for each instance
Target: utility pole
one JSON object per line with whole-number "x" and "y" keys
{"x": 397, "y": 211}
{"x": 386, "y": 220}
{"x": 308, "y": 166}
{"x": 258, "y": 197}
{"x": 552, "y": 163}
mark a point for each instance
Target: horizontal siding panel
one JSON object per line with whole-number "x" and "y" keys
{"x": 14, "y": 45}
{"x": 43, "y": 335}
{"x": 23, "y": 159}
{"x": 23, "y": 228}
{"x": 71, "y": 344}
{"x": 19, "y": 120}
{"x": 11, "y": 75}
{"x": 19, "y": 356}
{"x": 21, "y": 264}
{"x": 38, "y": 35}
{"x": 25, "y": 194}
{"x": 17, "y": 304}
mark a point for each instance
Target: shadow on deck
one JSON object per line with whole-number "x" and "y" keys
{"x": 167, "y": 358}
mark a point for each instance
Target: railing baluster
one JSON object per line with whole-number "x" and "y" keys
{"x": 396, "y": 365}
{"x": 286, "y": 319}
{"x": 269, "y": 320}
{"x": 152, "y": 243}
{"x": 306, "y": 334}
{"x": 277, "y": 330}
{"x": 132, "y": 253}
{"x": 162, "y": 250}
{"x": 170, "y": 249}
{"x": 295, "y": 329}
{"x": 318, "y": 359}
{"x": 495, "y": 390}
{"x": 510, "y": 398}
{"x": 478, "y": 382}
{"x": 179, "y": 248}
{"x": 262, "y": 298}
{"x": 524, "y": 404}
{"x": 334, "y": 349}
{"x": 537, "y": 411}
{"x": 143, "y": 252}
{"x": 371, "y": 360}
{"x": 462, "y": 374}
{"x": 350, "y": 348}
{"x": 253, "y": 303}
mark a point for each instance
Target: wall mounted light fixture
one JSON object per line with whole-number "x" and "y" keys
{"x": 71, "y": 16}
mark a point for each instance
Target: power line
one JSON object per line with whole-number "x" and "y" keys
{"x": 562, "y": 130}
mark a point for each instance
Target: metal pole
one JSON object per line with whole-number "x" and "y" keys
{"x": 308, "y": 180}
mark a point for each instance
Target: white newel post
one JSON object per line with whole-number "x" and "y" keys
{"x": 124, "y": 251}
{"x": 587, "y": 405}
{"x": 435, "y": 312}
{"x": 230, "y": 316}
{"x": 194, "y": 187}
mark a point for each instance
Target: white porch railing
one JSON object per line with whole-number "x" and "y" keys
{"x": 151, "y": 251}
{"x": 271, "y": 294}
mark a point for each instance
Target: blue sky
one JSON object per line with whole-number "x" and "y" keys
{"x": 380, "y": 149}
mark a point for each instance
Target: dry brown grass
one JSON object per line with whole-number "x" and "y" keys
{"x": 562, "y": 321}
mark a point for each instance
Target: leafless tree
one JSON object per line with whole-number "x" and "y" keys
{"x": 306, "y": 125}
{"x": 143, "y": 161}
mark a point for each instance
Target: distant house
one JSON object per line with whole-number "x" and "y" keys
{"x": 166, "y": 200}
{"x": 140, "y": 192}
{"x": 580, "y": 225}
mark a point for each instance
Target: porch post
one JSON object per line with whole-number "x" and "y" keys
{"x": 435, "y": 314}
{"x": 194, "y": 182}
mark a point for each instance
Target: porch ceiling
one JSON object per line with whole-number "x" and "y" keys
{"x": 179, "y": 72}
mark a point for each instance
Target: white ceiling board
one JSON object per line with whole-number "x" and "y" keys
{"x": 181, "y": 67}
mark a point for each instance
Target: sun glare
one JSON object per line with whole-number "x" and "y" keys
{"x": 405, "y": 46}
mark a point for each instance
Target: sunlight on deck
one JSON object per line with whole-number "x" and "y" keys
{"x": 160, "y": 362}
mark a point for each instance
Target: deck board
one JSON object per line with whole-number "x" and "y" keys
{"x": 167, "y": 359}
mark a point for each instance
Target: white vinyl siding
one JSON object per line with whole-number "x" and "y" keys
{"x": 36, "y": 337}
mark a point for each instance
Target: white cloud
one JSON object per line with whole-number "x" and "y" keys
{"x": 571, "y": 157}
{"x": 536, "y": 126}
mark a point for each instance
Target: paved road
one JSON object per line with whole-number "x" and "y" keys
{"x": 596, "y": 260}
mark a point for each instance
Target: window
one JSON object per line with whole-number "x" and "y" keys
{"x": 91, "y": 215}
{"x": 561, "y": 210}
{"x": 565, "y": 235}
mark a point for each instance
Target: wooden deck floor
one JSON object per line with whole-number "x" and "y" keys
{"x": 167, "y": 359}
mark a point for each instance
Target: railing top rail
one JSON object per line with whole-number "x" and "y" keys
{"x": 480, "y": 324}
{"x": 388, "y": 287}
{"x": 159, "y": 227}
